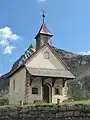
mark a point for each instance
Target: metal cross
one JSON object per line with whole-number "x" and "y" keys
{"x": 43, "y": 15}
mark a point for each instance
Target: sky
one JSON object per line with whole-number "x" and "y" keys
{"x": 20, "y": 20}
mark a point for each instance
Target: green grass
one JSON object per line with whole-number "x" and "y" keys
{"x": 47, "y": 104}
{"x": 80, "y": 102}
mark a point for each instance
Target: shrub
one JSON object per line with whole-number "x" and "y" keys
{"x": 4, "y": 101}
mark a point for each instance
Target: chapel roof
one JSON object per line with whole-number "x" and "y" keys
{"x": 59, "y": 73}
{"x": 44, "y": 30}
{"x": 44, "y": 72}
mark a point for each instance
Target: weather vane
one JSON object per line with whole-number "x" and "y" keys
{"x": 43, "y": 15}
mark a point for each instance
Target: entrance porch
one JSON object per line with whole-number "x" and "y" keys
{"x": 48, "y": 88}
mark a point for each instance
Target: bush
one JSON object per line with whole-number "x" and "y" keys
{"x": 4, "y": 101}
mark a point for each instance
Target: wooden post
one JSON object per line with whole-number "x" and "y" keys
{"x": 21, "y": 103}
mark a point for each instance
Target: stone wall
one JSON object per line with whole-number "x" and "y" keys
{"x": 46, "y": 112}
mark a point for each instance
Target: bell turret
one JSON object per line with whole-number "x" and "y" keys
{"x": 43, "y": 36}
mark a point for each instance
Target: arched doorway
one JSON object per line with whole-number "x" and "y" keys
{"x": 46, "y": 93}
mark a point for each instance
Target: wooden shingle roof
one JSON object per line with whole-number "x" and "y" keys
{"x": 44, "y": 30}
{"x": 50, "y": 72}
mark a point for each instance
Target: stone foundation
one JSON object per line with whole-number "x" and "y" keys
{"x": 46, "y": 112}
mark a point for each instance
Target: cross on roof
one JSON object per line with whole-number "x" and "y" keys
{"x": 43, "y": 15}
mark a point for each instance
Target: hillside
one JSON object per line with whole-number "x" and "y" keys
{"x": 79, "y": 65}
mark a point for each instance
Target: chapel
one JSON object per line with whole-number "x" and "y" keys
{"x": 43, "y": 76}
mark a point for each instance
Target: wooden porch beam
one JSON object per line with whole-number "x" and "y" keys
{"x": 43, "y": 79}
{"x": 64, "y": 80}
{"x": 31, "y": 80}
{"x": 53, "y": 81}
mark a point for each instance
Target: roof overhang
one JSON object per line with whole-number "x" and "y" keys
{"x": 50, "y": 73}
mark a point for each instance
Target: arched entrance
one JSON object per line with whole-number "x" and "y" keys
{"x": 46, "y": 93}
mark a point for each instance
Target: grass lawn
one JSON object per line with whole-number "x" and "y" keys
{"x": 78, "y": 102}
{"x": 47, "y": 104}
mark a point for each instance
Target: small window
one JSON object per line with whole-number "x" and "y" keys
{"x": 13, "y": 84}
{"x": 34, "y": 90}
{"x": 45, "y": 39}
{"x": 57, "y": 91}
{"x": 46, "y": 55}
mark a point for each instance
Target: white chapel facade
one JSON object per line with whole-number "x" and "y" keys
{"x": 44, "y": 75}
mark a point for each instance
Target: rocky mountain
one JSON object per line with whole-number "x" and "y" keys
{"x": 79, "y": 65}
